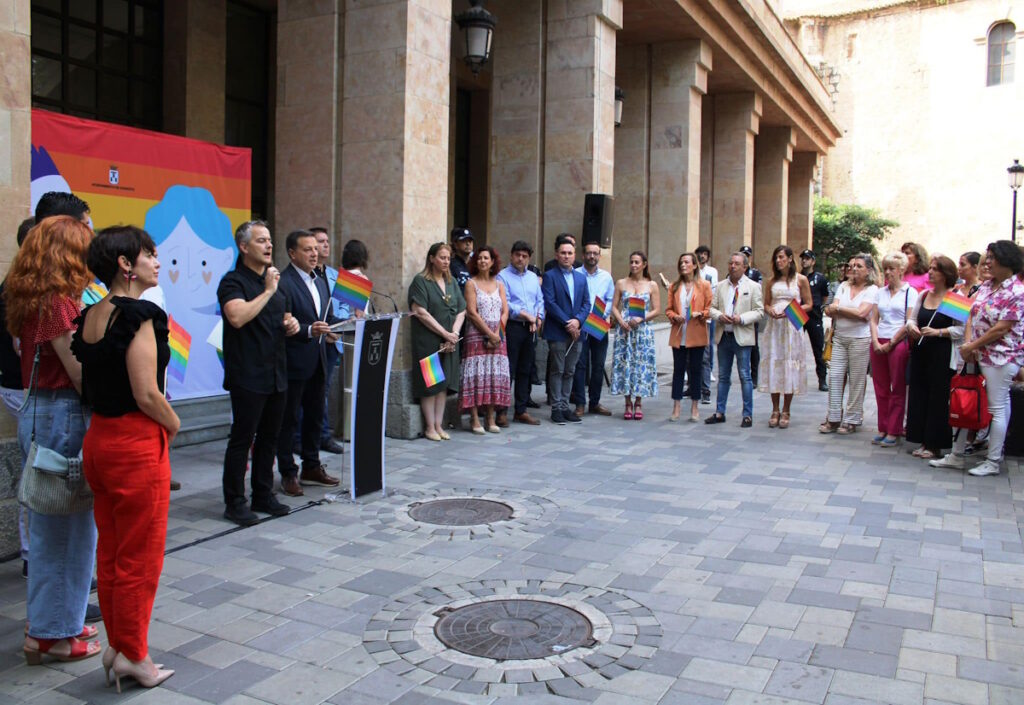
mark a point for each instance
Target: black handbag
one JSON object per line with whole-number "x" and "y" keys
{"x": 50, "y": 482}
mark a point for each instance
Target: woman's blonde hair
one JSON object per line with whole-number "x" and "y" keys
{"x": 432, "y": 252}
{"x": 895, "y": 260}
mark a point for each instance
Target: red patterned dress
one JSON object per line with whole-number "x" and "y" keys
{"x": 485, "y": 378}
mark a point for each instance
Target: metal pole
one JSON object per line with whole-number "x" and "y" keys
{"x": 1013, "y": 223}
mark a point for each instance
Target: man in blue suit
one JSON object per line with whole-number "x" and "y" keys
{"x": 309, "y": 301}
{"x": 566, "y": 305}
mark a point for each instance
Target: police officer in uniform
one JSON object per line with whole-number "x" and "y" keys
{"x": 462, "y": 250}
{"x": 754, "y": 275}
{"x": 815, "y": 331}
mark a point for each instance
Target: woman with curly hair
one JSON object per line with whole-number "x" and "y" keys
{"x": 485, "y": 377}
{"x": 43, "y": 296}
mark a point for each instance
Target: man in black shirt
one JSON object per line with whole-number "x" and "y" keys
{"x": 754, "y": 275}
{"x": 815, "y": 331}
{"x": 256, "y": 321}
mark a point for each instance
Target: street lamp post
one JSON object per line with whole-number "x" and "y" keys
{"x": 1016, "y": 173}
{"x": 478, "y": 26}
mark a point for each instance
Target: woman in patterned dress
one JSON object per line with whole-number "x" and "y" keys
{"x": 782, "y": 370}
{"x": 633, "y": 367}
{"x": 485, "y": 376}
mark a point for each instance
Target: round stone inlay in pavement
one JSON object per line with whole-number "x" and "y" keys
{"x": 464, "y": 511}
{"x": 507, "y": 630}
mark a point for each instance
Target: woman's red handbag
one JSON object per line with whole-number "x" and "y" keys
{"x": 968, "y": 400}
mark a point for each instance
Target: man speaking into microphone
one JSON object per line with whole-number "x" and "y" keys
{"x": 256, "y": 323}
{"x": 309, "y": 301}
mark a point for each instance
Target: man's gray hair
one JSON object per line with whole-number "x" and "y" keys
{"x": 746, "y": 260}
{"x": 243, "y": 233}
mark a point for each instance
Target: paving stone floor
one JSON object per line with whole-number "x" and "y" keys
{"x": 717, "y": 565}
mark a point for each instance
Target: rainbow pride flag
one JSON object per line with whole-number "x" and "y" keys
{"x": 430, "y": 366}
{"x": 353, "y": 290}
{"x": 94, "y": 293}
{"x": 956, "y": 306}
{"x": 180, "y": 342}
{"x": 596, "y": 326}
{"x": 796, "y": 315}
{"x": 600, "y": 307}
{"x": 636, "y": 307}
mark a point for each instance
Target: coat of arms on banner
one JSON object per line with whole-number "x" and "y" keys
{"x": 112, "y": 176}
{"x": 375, "y": 353}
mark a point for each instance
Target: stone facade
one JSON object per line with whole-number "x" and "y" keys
{"x": 930, "y": 146}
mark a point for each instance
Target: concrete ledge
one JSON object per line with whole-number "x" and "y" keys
{"x": 10, "y": 475}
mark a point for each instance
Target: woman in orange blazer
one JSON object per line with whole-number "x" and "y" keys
{"x": 689, "y": 305}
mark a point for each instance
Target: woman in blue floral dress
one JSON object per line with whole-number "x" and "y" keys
{"x": 634, "y": 373}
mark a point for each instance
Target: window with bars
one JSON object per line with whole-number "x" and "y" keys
{"x": 99, "y": 59}
{"x": 1001, "y": 50}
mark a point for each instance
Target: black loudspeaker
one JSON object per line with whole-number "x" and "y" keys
{"x": 597, "y": 219}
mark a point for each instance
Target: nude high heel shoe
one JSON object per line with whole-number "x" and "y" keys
{"x": 139, "y": 671}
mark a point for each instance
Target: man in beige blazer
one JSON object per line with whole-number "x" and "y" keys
{"x": 737, "y": 306}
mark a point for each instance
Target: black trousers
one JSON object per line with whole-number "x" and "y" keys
{"x": 520, "y": 343}
{"x": 309, "y": 396}
{"x": 928, "y": 394}
{"x": 688, "y": 362}
{"x": 256, "y": 424}
{"x": 816, "y": 332}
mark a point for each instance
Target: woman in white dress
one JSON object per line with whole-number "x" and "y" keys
{"x": 782, "y": 371}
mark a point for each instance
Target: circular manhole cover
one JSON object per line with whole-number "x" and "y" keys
{"x": 513, "y": 629}
{"x": 460, "y": 512}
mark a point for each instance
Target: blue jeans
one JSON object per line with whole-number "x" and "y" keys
{"x": 727, "y": 351}
{"x": 592, "y": 354}
{"x": 63, "y": 548}
{"x": 709, "y": 359}
{"x": 333, "y": 360}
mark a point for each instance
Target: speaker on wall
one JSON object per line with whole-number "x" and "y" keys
{"x": 597, "y": 219}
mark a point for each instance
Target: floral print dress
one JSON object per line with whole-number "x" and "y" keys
{"x": 634, "y": 372}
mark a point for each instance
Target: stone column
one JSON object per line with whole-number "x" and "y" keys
{"x": 632, "y": 158}
{"x": 394, "y": 184}
{"x": 737, "y": 119}
{"x": 579, "y": 136}
{"x": 309, "y": 69}
{"x": 195, "y": 52}
{"x": 679, "y": 75}
{"x": 773, "y": 151}
{"x": 517, "y": 114}
{"x": 801, "y": 201}
{"x": 15, "y": 148}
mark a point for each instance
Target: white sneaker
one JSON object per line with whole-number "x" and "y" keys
{"x": 951, "y": 460}
{"x": 986, "y": 468}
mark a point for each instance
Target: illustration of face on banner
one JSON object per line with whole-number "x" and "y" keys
{"x": 196, "y": 248}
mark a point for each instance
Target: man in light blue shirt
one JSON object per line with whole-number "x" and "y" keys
{"x": 593, "y": 352}
{"x": 525, "y": 314}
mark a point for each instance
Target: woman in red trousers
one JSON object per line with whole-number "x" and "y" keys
{"x": 122, "y": 345}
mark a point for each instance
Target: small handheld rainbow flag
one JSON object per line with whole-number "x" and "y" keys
{"x": 430, "y": 366}
{"x": 180, "y": 342}
{"x": 352, "y": 289}
{"x": 600, "y": 307}
{"x": 596, "y": 326}
{"x": 637, "y": 308}
{"x": 796, "y": 315}
{"x": 94, "y": 293}
{"x": 956, "y": 306}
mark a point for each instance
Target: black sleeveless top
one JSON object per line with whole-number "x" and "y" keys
{"x": 105, "y": 383}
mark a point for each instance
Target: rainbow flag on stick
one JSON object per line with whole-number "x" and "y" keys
{"x": 956, "y": 306}
{"x": 796, "y": 315}
{"x": 600, "y": 307}
{"x": 352, "y": 290}
{"x": 180, "y": 342}
{"x": 596, "y": 326}
{"x": 636, "y": 306}
{"x": 430, "y": 366}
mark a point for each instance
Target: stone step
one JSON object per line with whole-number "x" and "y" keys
{"x": 203, "y": 419}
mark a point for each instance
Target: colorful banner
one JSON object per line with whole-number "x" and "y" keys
{"x": 188, "y": 195}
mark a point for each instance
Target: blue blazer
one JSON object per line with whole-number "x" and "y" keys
{"x": 305, "y": 352}
{"x": 558, "y": 307}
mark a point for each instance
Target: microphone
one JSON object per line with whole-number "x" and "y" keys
{"x": 381, "y": 293}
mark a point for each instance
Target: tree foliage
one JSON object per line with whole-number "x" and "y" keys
{"x": 843, "y": 230}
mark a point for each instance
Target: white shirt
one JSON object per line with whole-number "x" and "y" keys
{"x": 709, "y": 271}
{"x": 853, "y": 327}
{"x": 731, "y": 298}
{"x": 894, "y": 309}
{"x": 310, "y": 280}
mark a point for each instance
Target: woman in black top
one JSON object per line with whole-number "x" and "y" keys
{"x": 122, "y": 345}
{"x": 932, "y": 335}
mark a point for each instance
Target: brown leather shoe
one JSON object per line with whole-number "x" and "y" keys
{"x": 579, "y": 409}
{"x": 501, "y": 420}
{"x": 527, "y": 419}
{"x": 317, "y": 476}
{"x": 600, "y": 410}
{"x": 290, "y": 486}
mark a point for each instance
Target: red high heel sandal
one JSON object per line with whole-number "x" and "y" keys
{"x": 78, "y": 650}
{"x": 628, "y": 413}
